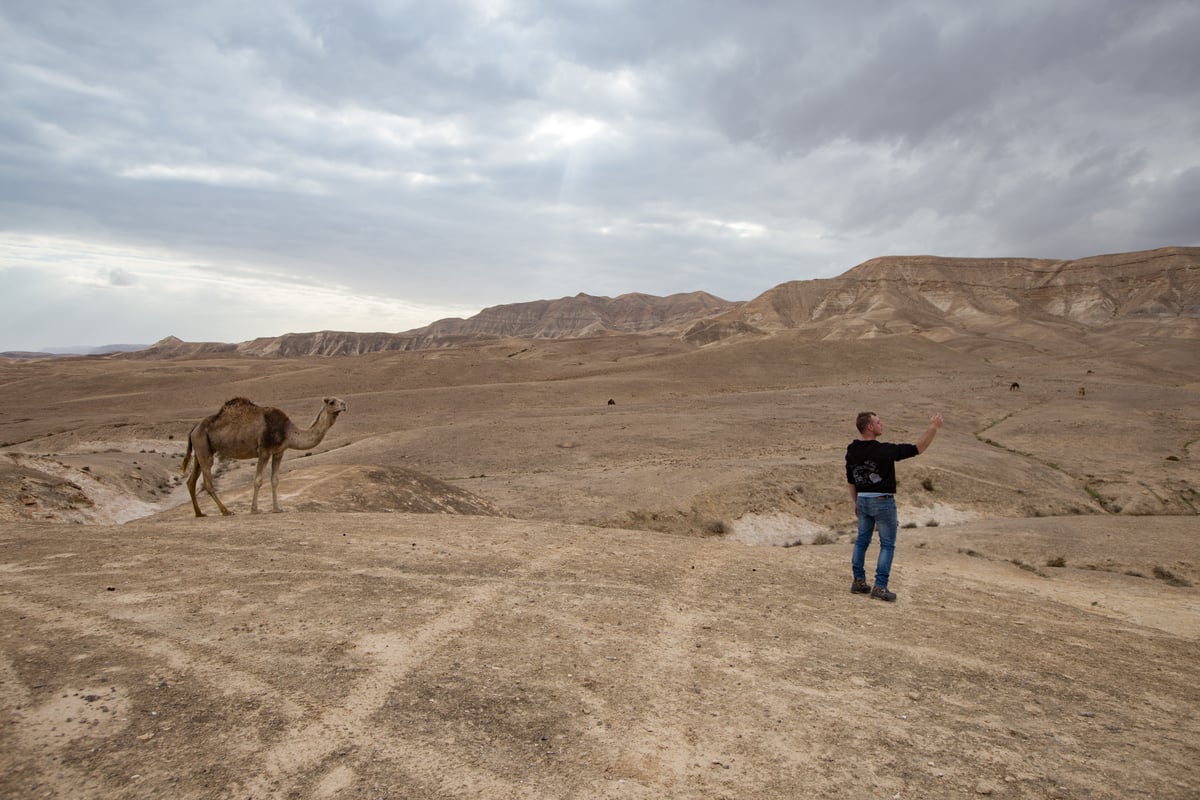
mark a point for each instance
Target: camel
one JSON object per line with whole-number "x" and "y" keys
{"x": 242, "y": 429}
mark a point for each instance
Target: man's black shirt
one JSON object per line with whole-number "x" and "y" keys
{"x": 871, "y": 465}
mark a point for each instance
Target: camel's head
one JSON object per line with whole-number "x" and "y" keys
{"x": 334, "y": 406}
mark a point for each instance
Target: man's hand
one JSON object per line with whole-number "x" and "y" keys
{"x": 935, "y": 424}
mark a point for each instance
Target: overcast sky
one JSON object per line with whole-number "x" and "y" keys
{"x": 219, "y": 171}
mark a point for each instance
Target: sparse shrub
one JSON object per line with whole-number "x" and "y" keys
{"x": 1057, "y": 562}
{"x": 927, "y": 484}
{"x": 1171, "y": 579}
{"x": 1133, "y": 573}
{"x": 973, "y": 553}
{"x": 1024, "y": 566}
{"x": 933, "y": 523}
{"x": 1172, "y": 458}
{"x": 715, "y": 526}
{"x": 824, "y": 538}
{"x": 909, "y": 525}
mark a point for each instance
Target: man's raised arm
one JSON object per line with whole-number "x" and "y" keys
{"x": 926, "y": 439}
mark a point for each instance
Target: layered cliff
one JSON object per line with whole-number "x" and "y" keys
{"x": 1154, "y": 291}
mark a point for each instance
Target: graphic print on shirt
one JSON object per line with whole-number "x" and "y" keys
{"x": 866, "y": 474}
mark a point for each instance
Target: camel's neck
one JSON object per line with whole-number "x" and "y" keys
{"x": 303, "y": 440}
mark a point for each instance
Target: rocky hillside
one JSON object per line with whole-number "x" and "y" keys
{"x": 1151, "y": 293}
{"x": 584, "y": 315}
{"x": 568, "y": 317}
{"x": 1155, "y": 291}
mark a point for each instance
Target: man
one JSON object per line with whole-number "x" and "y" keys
{"x": 871, "y": 473}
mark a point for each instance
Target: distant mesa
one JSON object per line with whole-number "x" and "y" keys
{"x": 580, "y": 316}
{"x": 25, "y": 355}
{"x": 1151, "y": 293}
{"x": 79, "y": 350}
{"x": 174, "y": 347}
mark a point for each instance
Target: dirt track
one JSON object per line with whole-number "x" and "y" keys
{"x": 533, "y": 645}
{"x": 405, "y": 656}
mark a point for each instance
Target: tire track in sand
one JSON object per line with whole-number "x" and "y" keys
{"x": 19, "y": 709}
{"x": 302, "y": 750}
{"x": 654, "y": 749}
{"x": 180, "y": 657}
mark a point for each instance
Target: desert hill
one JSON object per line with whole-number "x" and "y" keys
{"x": 568, "y": 317}
{"x": 1153, "y": 293}
{"x": 491, "y": 581}
{"x": 583, "y": 315}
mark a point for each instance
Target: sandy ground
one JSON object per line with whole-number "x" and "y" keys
{"x": 488, "y": 582}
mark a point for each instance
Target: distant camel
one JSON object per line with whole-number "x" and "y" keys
{"x": 1016, "y": 387}
{"x": 242, "y": 429}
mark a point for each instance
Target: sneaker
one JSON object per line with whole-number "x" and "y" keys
{"x": 880, "y": 593}
{"x": 860, "y": 587}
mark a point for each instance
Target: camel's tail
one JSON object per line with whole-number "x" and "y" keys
{"x": 187, "y": 456}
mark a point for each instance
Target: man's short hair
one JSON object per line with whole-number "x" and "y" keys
{"x": 863, "y": 420}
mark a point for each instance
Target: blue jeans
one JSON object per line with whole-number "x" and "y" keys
{"x": 875, "y": 512}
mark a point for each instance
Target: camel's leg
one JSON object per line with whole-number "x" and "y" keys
{"x": 275, "y": 459}
{"x": 201, "y": 450}
{"x": 191, "y": 484}
{"x": 206, "y": 470}
{"x": 258, "y": 480}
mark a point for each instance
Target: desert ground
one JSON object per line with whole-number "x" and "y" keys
{"x": 488, "y": 581}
